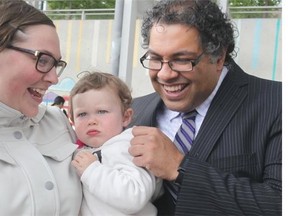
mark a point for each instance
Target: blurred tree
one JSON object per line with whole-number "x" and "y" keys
{"x": 254, "y": 9}
{"x": 110, "y": 4}
{"x": 254, "y": 2}
{"x": 81, "y": 4}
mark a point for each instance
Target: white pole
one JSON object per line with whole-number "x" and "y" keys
{"x": 223, "y": 4}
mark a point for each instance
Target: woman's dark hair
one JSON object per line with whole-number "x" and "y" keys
{"x": 215, "y": 29}
{"x": 15, "y": 15}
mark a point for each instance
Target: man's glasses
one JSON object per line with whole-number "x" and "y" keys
{"x": 179, "y": 65}
{"x": 44, "y": 62}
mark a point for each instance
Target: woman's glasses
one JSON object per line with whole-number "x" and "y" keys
{"x": 45, "y": 62}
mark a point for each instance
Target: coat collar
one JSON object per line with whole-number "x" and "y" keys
{"x": 12, "y": 118}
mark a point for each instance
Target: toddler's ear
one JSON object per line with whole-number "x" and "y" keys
{"x": 127, "y": 118}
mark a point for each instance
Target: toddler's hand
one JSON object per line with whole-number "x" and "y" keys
{"x": 82, "y": 160}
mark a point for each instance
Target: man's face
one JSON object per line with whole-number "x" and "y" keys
{"x": 181, "y": 91}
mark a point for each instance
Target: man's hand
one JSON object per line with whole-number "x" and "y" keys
{"x": 82, "y": 160}
{"x": 153, "y": 150}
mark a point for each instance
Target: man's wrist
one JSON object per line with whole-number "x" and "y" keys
{"x": 181, "y": 170}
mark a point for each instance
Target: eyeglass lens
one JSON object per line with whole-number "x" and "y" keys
{"x": 46, "y": 62}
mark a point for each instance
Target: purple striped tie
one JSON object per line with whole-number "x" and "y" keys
{"x": 183, "y": 141}
{"x": 185, "y": 135}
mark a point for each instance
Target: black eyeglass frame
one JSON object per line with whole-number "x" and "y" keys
{"x": 193, "y": 62}
{"x": 38, "y": 54}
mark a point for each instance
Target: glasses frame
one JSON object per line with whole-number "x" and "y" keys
{"x": 193, "y": 62}
{"x": 38, "y": 54}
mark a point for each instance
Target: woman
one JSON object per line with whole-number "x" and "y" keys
{"x": 36, "y": 175}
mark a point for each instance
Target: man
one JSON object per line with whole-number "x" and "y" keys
{"x": 234, "y": 162}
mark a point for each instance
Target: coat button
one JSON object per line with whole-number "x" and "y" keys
{"x": 49, "y": 185}
{"x": 17, "y": 134}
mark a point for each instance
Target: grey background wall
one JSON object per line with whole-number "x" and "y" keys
{"x": 87, "y": 45}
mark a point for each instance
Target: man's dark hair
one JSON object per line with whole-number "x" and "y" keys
{"x": 215, "y": 29}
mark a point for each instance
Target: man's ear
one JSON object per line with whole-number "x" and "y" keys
{"x": 220, "y": 62}
{"x": 127, "y": 117}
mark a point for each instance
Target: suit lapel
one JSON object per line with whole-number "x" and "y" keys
{"x": 145, "y": 110}
{"x": 157, "y": 104}
{"x": 225, "y": 104}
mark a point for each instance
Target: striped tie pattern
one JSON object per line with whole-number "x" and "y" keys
{"x": 183, "y": 141}
{"x": 185, "y": 135}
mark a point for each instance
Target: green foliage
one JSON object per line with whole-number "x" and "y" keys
{"x": 81, "y": 4}
{"x": 254, "y": 9}
{"x": 235, "y": 3}
{"x": 78, "y": 5}
{"x": 110, "y": 4}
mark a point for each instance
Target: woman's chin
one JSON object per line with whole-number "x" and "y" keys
{"x": 31, "y": 111}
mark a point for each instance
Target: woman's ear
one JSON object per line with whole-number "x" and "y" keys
{"x": 127, "y": 117}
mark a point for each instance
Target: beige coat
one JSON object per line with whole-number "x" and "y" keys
{"x": 35, "y": 172}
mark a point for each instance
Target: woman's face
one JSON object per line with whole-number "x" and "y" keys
{"x": 22, "y": 87}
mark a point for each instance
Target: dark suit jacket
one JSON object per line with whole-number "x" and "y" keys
{"x": 235, "y": 162}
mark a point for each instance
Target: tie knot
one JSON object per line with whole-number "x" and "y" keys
{"x": 190, "y": 115}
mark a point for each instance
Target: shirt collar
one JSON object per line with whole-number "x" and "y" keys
{"x": 203, "y": 108}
